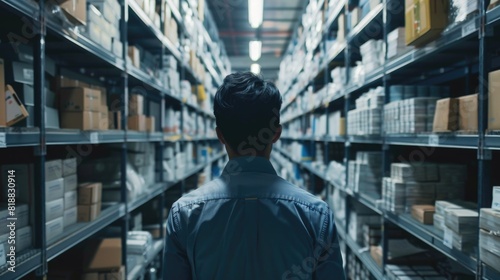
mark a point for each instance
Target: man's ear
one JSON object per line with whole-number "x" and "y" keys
{"x": 220, "y": 136}
{"x": 277, "y": 135}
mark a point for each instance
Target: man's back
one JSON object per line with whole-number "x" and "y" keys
{"x": 251, "y": 224}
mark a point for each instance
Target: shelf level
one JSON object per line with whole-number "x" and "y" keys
{"x": 25, "y": 264}
{"x": 79, "y": 232}
{"x": 429, "y": 235}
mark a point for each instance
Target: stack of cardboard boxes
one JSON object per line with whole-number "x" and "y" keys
{"x": 102, "y": 260}
{"x": 421, "y": 184}
{"x": 23, "y": 233}
{"x": 489, "y": 236}
{"x": 170, "y": 25}
{"x": 103, "y": 24}
{"x": 69, "y": 167}
{"x": 89, "y": 201}
{"x": 372, "y": 55}
{"x": 136, "y": 119}
{"x": 366, "y": 119}
{"x": 54, "y": 199}
{"x": 367, "y": 174}
{"x": 80, "y": 108}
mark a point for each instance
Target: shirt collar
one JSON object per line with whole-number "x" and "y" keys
{"x": 249, "y": 164}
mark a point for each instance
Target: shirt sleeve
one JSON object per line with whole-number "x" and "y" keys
{"x": 175, "y": 262}
{"x": 329, "y": 259}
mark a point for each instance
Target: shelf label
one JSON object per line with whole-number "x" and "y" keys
{"x": 434, "y": 140}
{"x": 94, "y": 137}
{"x": 448, "y": 238}
{"x": 468, "y": 28}
{"x": 3, "y": 140}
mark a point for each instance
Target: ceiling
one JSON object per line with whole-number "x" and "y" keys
{"x": 280, "y": 21}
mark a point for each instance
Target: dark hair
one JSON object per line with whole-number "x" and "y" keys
{"x": 247, "y": 111}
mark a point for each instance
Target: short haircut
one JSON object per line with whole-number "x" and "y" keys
{"x": 247, "y": 111}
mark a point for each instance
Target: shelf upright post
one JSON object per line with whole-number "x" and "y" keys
{"x": 183, "y": 105}
{"x": 484, "y": 186}
{"x": 386, "y": 152}
{"x": 124, "y": 110}
{"x": 41, "y": 149}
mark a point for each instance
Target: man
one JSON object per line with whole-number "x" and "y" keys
{"x": 250, "y": 223}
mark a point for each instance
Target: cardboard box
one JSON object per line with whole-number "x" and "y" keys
{"x": 135, "y": 56}
{"x": 446, "y": 116}
{"x": 423, "y": 213}
{"x": 80, "y": 99}
{"x": 85, "y": 120}
{"x": 54, "y": 209}
{"x": 425, "y": 20}
{"x": 70, "y": 199}
{"x": 103, "y": 255}
{"x": 70, "y": 183}
{"x": 137, "y": 122}
{"x": 75, "y": 11}
{"x": 69, "y": 166}
{"x": 88, "y": 213}
{"x": 493, "y": 101}
{"x": 54, "y": 189}
{"x": 14, "y": 108}
{"x": 53, "y": 170}
{"x": 3, "y": 121}
{"x": 54, "y": 228}
{"x": 70, "y": 216}
{"x": 114, "y": 275}
{"x": 468, "y": 112}
{"x": 150, "y": 124}
{"x": 136, "y": 105}
{"x": 89, "y": 193}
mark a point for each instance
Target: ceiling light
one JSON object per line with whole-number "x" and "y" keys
{"x": 255, "y": 12}
{"x": 255, "y": 50}
{"x": 255, "y": 68}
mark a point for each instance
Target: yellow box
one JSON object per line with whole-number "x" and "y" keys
{"x": 425, "y": 20}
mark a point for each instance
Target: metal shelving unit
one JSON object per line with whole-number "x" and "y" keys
{"x": 58, "y": 37}
{"x": 463, "y": 51}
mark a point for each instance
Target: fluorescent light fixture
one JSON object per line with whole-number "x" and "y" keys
{"x": 255, "y": 68}
{"x": 255, "y": 50}
{"x": 255, "y": 12}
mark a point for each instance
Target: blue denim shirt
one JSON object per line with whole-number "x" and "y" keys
{"x": 251, "y": 224}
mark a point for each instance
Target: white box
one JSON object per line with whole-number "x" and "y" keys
{"x": 70, "y": 199}
{"x": 70, "y": 183}
{"x": 70, "y": 216}
{"x": 54, "y": 189}
{"x": 54, "y": 228}
{"x": 23, "y": 238}
{"x": 495, "y": 204}
{"x": 69, "y": 167}
{"x": 53, "y": 170}
{"x": 54, "y": 209}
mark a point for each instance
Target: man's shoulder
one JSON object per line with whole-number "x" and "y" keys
{"x": 281, "y": 190}
{"x": 302, "y": 197}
